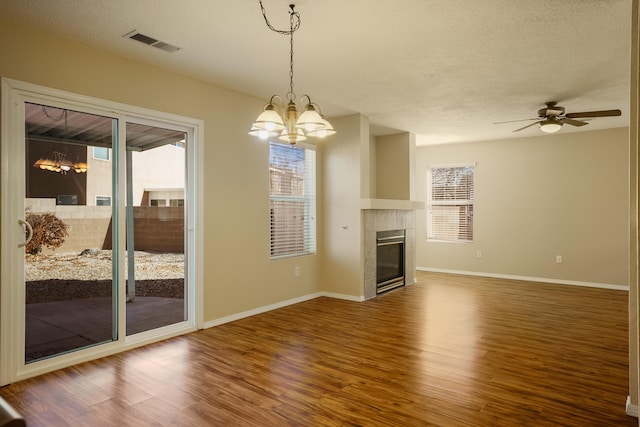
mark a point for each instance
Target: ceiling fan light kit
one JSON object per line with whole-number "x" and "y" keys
{"x": 550, "y": 125}
{"x": 551, "y": 118}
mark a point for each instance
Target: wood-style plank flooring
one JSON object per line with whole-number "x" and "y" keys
{"x": 448, "y": 351}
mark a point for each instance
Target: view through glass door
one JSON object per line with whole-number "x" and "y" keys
{"x": 71, "y": 261}
{"x": 156, "y": 184}
{"x": 70, "y": 291}
{"x": 100, "y": 228}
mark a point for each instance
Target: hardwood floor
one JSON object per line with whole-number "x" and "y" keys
{"x": 449, "y": 351}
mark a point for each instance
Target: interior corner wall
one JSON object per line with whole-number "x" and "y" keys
{"x": 238, "y": 273}
{"x": 537, "y": 198}
{"x": 341, "y": 269}
{"x": 373, "y": 171}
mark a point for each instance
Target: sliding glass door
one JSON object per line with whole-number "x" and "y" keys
{"x": 69, "y": 282}
{"x": 156, "y": 193}
{"x": 99, "y": 227}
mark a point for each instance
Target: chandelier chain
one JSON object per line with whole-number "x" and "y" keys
{"x": 294, "y": 25}
{"x": 291, "y": 95}
{"x": 63, "y": 115}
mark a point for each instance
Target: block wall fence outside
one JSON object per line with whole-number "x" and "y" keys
{"x": 159, "y": 229}
{"x": 156, "y": 229}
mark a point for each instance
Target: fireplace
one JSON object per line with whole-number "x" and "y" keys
{"x": 390, "y": 260}
{"x": 388, "y": 222}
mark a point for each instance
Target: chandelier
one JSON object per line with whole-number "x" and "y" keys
{"x": 59, "y": 163}
{"x": 286, "y": 123}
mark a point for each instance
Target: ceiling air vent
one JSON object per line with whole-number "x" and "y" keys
{"x": 135, "y": 35}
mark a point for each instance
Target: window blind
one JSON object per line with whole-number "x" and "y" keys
{"x": 450, "y": 203}
{"x": 292, "y": 189}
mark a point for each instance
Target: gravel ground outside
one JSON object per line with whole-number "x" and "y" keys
{"x": 96, "y": 265}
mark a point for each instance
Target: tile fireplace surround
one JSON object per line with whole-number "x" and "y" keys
{"x": 382, "y": 220}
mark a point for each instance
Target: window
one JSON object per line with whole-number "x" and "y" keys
{"x": 101, "y": 153}
{"x": 67, "y": 199}
{"x": 158, "y": 202}
{"x": 176, "y": 202}
{"x": 103, "y": 200}
{"x": 450, "y": 203}
{"x": 292, "y": 190}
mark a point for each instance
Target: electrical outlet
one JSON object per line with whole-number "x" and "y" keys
{"x": 479, "y": 254}
{"x": 296, "y": 271}
{"x": 559, "y": 259}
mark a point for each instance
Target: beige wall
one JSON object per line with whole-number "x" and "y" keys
{"x": 373, "y": 173}
{"x": 238, "y": 274}
{"x": 342, "y": 267}
{"x": 535, "y": 198}
{"x": 393, "y": 179}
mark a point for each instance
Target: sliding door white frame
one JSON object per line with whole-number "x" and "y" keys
{"x": 12, "y": 172}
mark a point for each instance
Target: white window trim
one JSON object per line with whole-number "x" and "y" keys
{"x": 93, "y": 154}
{"x": 106, "y": 197}
{"x": 429, "y": 202}
{"x": 308, "y": 205}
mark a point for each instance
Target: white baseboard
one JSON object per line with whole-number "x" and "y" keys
{"x": 631, "y": 410}
{"x": 528, "y": 279}
{"x": 259, "y": 310}
{"x": 342, "y": 296}
{"x": 361, "y": 298}
{"x": 264, "y": 309}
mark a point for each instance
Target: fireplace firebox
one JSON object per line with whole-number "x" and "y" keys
{"x": 389, "y": 260}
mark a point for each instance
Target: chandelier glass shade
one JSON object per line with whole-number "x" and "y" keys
{"x": 285, "y": 122}
{"x": 58, "y": 163}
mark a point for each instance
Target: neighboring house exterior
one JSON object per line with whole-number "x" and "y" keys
{"x": 82, "y": 200}
{"x": 158, "y": 176}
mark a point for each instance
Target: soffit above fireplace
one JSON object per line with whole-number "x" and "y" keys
{"x": 391, "y": 204}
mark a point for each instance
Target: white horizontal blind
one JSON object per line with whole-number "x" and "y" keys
{"x": 292, "y": 189}
{"x": 450, "y": 203}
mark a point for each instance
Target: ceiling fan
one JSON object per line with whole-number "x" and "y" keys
{"x": 552, "y": 117}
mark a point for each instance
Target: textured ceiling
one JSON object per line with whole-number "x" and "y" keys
{"x": 445, "y": 70}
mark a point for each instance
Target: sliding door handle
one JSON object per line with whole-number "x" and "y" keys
{"x": 27, "y": 228}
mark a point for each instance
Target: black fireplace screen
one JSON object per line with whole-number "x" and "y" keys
{"x": 389, "y": 260}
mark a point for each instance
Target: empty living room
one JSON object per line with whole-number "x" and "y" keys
{"x": 269, "y": 213}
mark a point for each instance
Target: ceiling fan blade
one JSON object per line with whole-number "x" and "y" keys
{"x": 522, "y": 128}
{"x": 603, "y": 113}
{"x": 512, "y": 121}
{"x": 574, "y": 122}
